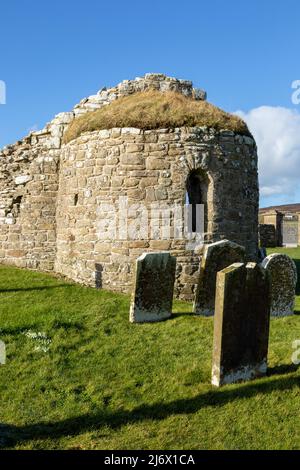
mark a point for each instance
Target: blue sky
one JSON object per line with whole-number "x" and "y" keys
{"x": 245, "y": 54}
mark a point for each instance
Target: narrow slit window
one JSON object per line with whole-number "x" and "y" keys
{"x": 194, "y": 197}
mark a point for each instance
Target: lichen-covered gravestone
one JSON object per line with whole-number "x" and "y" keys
{"x": 216, "y": 257}
{"x": 153, "y": 290}
{"x": 283, "y": 273}
{"x": 241, "y": 324}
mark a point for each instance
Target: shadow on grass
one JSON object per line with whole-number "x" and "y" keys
{"x": 55, "y": 325}
{"x": 11, "y": 435}
{"x": 28, "y": 289}
{"x": 181, "y": 314}
{"x": 282, "y": 369}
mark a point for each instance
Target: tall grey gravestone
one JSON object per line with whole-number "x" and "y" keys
{"x": 216, "y": 257}
{"x": 283, "y": 274}
{"x": 153, "y": 289}
{"x": 241, "y": 324}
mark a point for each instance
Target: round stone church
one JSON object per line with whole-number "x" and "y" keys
{"x": 148, "y": 165}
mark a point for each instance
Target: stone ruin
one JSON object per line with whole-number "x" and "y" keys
{"x": 283, "y": 273}
{"x": 50, "y": 192}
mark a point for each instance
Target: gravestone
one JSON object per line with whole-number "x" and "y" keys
{"x": 283, "y": 274}
{"x": 241, "y": 324}
{"x": 153, "y": 290}
{"x": 216, "y": 257}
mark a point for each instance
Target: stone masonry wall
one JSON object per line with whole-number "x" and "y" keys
{"x": 29, "y": 172}
{"x": 50, "y": 193}
{"x": 28, "y": 189}
{"x": 150, "y": 167}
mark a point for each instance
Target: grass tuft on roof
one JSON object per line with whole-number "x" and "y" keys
{"x": 155, "y": 110}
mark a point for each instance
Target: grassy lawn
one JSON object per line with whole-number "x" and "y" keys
{"x": 79, "y": 376}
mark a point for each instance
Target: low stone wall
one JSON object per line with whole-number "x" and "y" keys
{"x": 267, "y": 235}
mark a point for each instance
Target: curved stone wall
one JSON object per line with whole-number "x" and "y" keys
{"x": 55, "y": 199}
{"x": 29, "y": 172}
{"x": 149, "y": 168}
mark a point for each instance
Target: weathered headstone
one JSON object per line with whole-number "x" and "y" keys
{"x": 153, "y": 290}
{"x": 216, "y": 257}
{"x": 241, "y": 324}
{"x": 283, "y": 274}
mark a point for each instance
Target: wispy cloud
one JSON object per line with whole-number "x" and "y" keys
{"x": 277, "y": 133}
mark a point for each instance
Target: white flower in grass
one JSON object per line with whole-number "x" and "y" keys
{"x": 41, "y": 338}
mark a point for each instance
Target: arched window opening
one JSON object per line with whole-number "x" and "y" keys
{"x": 196, "y": 198}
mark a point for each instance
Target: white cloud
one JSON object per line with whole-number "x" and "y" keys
{"x": 277, "y": 134}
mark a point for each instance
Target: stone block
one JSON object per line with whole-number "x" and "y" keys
{"x": 157, "y": 164}
{"x": 22, "y": 179}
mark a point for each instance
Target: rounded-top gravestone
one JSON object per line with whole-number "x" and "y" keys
{"x": 217, "y": 256}
{"x": 283, "y": 274}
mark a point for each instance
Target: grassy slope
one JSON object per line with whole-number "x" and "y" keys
{"x": 105, "y": 383}
{"x": 152, "y": 110}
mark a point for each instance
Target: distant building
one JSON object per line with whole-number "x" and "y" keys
{"x": 279, "y": 225}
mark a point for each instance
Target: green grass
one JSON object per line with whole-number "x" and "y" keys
{"x": 153, "y": 110}
{"x": 108, "y": 384}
